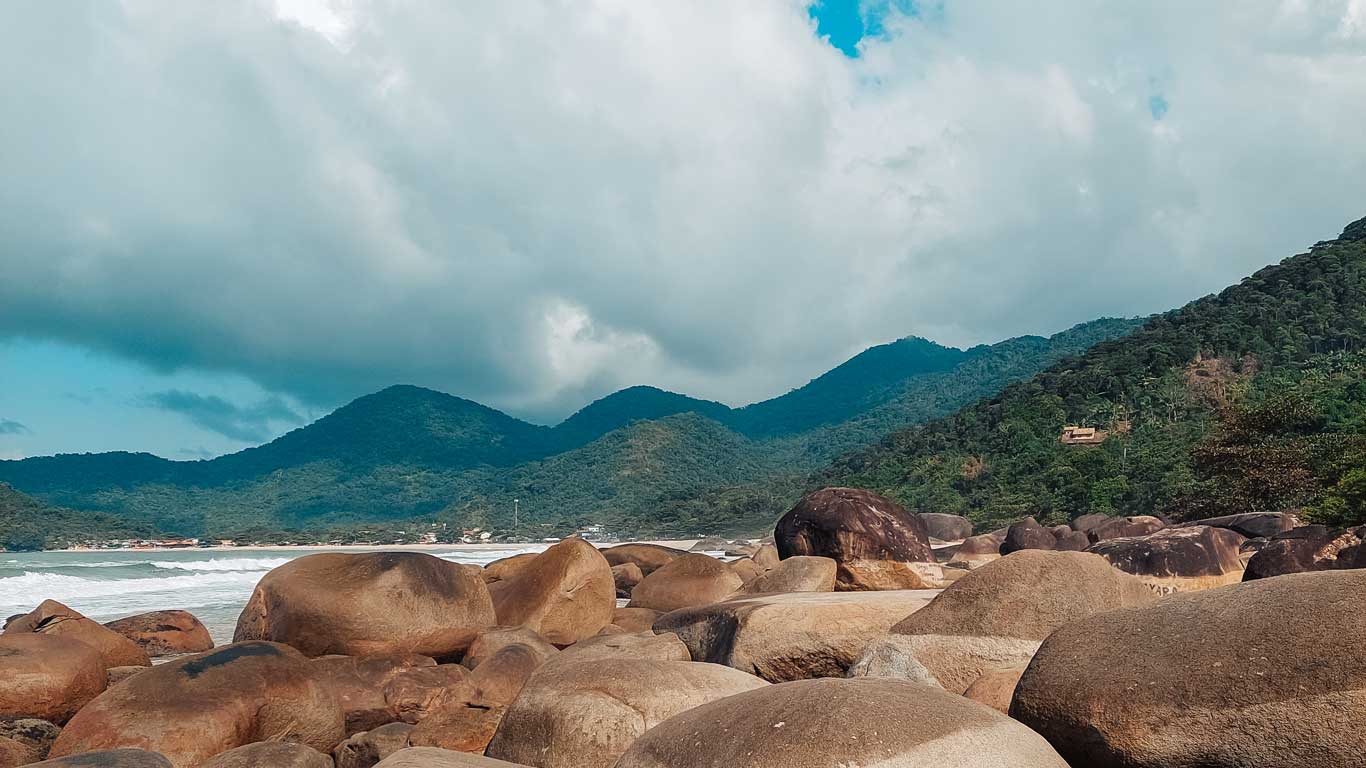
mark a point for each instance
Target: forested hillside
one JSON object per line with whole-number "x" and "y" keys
{"x": 640, "y": 460}
{"x": 26, "y": 523}
{"x": 1248, "y": 400}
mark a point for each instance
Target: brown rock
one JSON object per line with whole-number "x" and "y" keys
{"x": 584, "y": 715}
{"x": 1264, "y": 673}
{"x": 709, "y": 544}
{"x": 429, "y": 757}
{"x": 566, "y": 594}
{"x": 1307, "y": 548}
{"x": 490, "y": 642}
{"x": 791, "y": 636}
{"x": 689, "y": 580}
{"x": 875, "y": 541}
{"x": 116, "y": 675}
{"x": 466, "y": 719}
{"x": 647, "y": 557}
{"x": 946, "y": 527}
{"x": 995, "y": 616}
{"x": 626, "y": 576}
{"x": 111, "y": 758}
{"x": 1027, "y": 534}
{"x": 1125, "y": 527}
{"x": 12, "y": 754}
{"x": 460, "y": 728}
{"x": 641, "y": 645}
{"x": 363, "y": 750}
{"x": 1068, "y": 540}
{"x": 413, "y": 693}
{"x": 1085, "y": 523}
{"x": 357, "y": 685}
{"x": 275, "y": 754}
{"x": 162, "y": 633}
{"x": 996, "y": 688}
{"x": 797, "y": 574}
{"x": 195, "y": 707}
{"x": 1178, "y": 559}
{"x": 976, "y": 551}
{"x": 25, "y": 741}
{"x": 1254, "y": 524}
{"x": 766, "y": 557}
{"x": 53, "y": 618}
{"x": 635, "y": 619}
{"x": 506, "y": 568}
{"x": 841, "y": 724}
{"x": 369, "y": 604}
{"x": 47, "y": 677}
{"x": 746, "y": 569}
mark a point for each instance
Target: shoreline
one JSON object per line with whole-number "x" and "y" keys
{"x": 683, "y": 544}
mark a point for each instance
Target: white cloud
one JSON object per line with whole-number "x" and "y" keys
{"x": 532, "y": 203}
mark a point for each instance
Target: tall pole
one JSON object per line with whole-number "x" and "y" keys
{"x": 516, "y": 511}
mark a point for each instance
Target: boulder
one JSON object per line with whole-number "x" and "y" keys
{"x": 365, "y": 749}
{"x": 996, "y": 688}
{"x": 1264, "y": 673}
{"x": 766, "y": 557}
{"x": 505, "y": 568}
{"x": 1068, "y": 540}
{"x": 1254, "y": 524}
{"x": 413, "y": 693}
{"x": 647, "y": 557}
{"x": 47, "y": 677}
{"x": 945, "y": 527}
{"x": 566, "y": 594}
{"x": 109, "y": 758}
{"x": 369, "y": 604}
{"x": 976, "y": 551}
{"x": 1125, "y": 527}
{"x": 746, "y": 569}
{"x": 791, "y": 636}
{"x": 626, "y": 576}
{"x": 1085, "y": 523}
{"x": 1307, "y": 548}
{"x": 996, "y": 616}
{"x": 358, "y": 684}
{"x": 1027, "y": 534}
{"x": 116, "y": 675}
{"x": 430, "y": 757}
{"x": 492, "y": 641}
{"x": 25, "y": 741}
{"x": 53, "y": 618}
{"x": 665, "y": 646}
{"x": 710, "y": 544}
{"x": 164, "y": 633}
{"x": 585, "y": 714}
{"x": 841, "y": 724}
{"x": 635, "y": 619}
{"x": 467, "y": 717}
{"x": 1177, "y": 559}
{"x": 797, "y": 574}
{"x": 275, "y": 754}
{"x": 954, "y": 662}
{"x": 688, "y": 580}
{"x": 195, "y": 707}
{"x": 876, "y": 543}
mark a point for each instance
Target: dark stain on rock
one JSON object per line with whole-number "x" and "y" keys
{"x": 220, "y": 658}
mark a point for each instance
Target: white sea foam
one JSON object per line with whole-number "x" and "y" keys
{"x": 225, "y": 564}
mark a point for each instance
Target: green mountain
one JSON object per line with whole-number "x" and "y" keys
{"x": 1252, "y": 399}
{"x": 27, "y": 524}
{"x": 641, "y": 459}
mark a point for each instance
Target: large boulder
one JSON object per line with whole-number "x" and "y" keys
{"x": 709, "y": 544}
{"x": 1125, "y": 527}
{"x": 875, "y": 541}
{"x": 363, "y": 750}
{"x": 275, "y": 754}
{"x": 647, "y": 557}
{"x": 1308, "y": 548}
{"x": 358, "y": 685}
{"x": 766, "y": 557}
{"x": 996, "y": 616}
{"x": 634, "y": 619}
{"x": 566, "y": 594}
{"x": 688, "y": 580}
{"x": 1178, "y": 559}
{"x": 164, "y": 633}
{"x": 195, "y": 707}
{"x": 431, "y": 757}
{"x": 841, "y": 724}
{"x": 1265, "y": 673}
{"x": 108, "y": 758}
{"x": 946, "y": 527}
{"x": 665, "y": 646}
{"x": 1067, "y": 540}
{"x": 976, "y": 551}
{"x": 584, "y": 715}
{"x": 25, "y": 741}
{"x": 414, "y": 693}
{"x": 996, "y": 688}
{"x": 1254, "y": 524}
{"x": 791, "y": 636}
{"x": 626, "y": 576}
{"x": 53, "y": 618}
{"x": 369, "y": 604}
{"x": 1084, "y": 523}
{"x": 467, "y": 717}
{"x": 492, "y": 641}
{"x": 1027, "y": 534}
{"x": 47, "y": 677}
{"x": 796, "y": 574}
{"x": 505, "y": 568}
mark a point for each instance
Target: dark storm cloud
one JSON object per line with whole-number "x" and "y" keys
{"x": 10, "y": 427}
{"x": 248, "y": 424}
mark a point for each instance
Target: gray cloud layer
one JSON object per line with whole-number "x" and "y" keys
{"x": 10, "y": 427}
{"x": 531, "y": 203}
{"x": 252, "y": 424}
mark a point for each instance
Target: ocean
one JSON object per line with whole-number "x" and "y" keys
{"x": 212, "y": 584}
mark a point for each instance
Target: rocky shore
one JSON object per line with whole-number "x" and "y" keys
{"x": 859, "y": 635}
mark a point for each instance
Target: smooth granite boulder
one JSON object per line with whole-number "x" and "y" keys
{"x": 53, "y": 618}
{"x": 1307, "y": 548}
{"x": 47, "y": 677}
{"x": 164, "y": 633}
{"x": 566, "y": 594}
{"x": 688, "y": 580}
{"x": 1178, "y": 559}
{"x": 876, "y": 543}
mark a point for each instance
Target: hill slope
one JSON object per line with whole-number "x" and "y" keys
{"x": 27, "y": 523}
{"x": 1249, "y": 399}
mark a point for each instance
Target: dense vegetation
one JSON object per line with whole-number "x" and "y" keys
{"x": 1253, "y": 399}
{"x": 29, "y": 524}
{"x": 640, "y": 461}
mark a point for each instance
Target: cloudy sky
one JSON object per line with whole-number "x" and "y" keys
{"x": 220, "y": 220}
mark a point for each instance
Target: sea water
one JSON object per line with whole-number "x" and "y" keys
{"x": 214, "y": 585}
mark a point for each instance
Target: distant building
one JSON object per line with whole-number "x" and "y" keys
{"x": 1073, "y": 435}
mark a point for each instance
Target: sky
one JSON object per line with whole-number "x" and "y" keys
{"x": 219, "y": 221}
